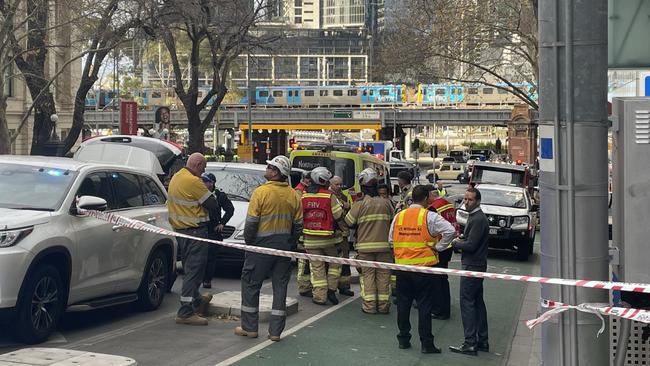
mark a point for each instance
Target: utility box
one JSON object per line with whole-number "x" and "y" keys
{"x": 630, "y": 212}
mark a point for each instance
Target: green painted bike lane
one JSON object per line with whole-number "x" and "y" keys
{"x": 349, "y": 337}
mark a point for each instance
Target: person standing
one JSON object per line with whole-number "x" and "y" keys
{"x": 322, "y": 215}
{"x": 442, "y": 306}
{"x": 273, "y": 220}
{"x": 304, "y": 273}
{"x": 474, "y": 248}
{"x": 189, "y": 204}
{"x": 404, "y": 180}
{"x": 217, "y": 223}
{"x": 417, "y": 244}
{"x": 497, "y": 146}
{"x": 372, "y": 215}
{"x": 336, "y": 186}
{"x": 442, "y": 192}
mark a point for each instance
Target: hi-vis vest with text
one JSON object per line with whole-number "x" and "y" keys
{"x": 317, "y": 213}
{"x": 412, "y": 242}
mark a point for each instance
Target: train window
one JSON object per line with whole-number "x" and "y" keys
{"x": 440, "y": 91}
{"x": 365, "y": 92}
{"x": 156, "y": 94}
{"x": 352, "y": 93}
{"x": 323, "y": 93}
{"x": 502, "y": 91}
{"x": 372, "y": 92}
{"x": 277, "y": 93}
{"x": 309, "y": 93}
{"x": 290, "y": 93}
{"x": 488, "y": 91}
{"x": 337, "y": 93}
{"x": 264, "y": 93}
{"x": 472, "y": 90}
{"x": 383, "y": 92}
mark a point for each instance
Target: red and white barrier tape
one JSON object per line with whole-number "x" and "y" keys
{"x": 556, "y": 308}
{"x": 139, "y": 225}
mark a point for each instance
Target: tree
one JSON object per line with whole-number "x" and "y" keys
{"x": 224, "y": 29}
{"x": 492, "y": 42}
{"x": 7, "y": 27}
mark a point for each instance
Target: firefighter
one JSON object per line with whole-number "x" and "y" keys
{"x": 322, "y": 213}
{"x": 274, "y": 220}
{"x": 372, "y": 215}
{"x": 414, "y": 233}
{"x": 304, "y": 275}
{"x": 404, "y": 180}
{"x": 344, "y": 247}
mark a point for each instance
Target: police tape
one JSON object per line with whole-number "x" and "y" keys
{"x": 139, "y": 225}
{"x": 598, "y": 309}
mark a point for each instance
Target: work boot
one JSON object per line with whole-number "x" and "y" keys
{"x": 346, "y": 292}
{"x": 331, "y": 297}
{"x": 193, "y": 319}
{"x": 405, "y": 345}
{"x": 202, "y": 309}
{"x": 274, "y": 338}
{"x": 431, "y": 348}
{"x": 306, "y": 294}
{"x": 244, "y": 333}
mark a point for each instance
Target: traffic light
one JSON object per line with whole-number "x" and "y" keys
{"x": 256, "y": 148}
{"x": 416, "y": 144}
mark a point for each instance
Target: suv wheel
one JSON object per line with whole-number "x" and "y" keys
{"x": 40, "y": 306}
{"x": 154, "y": 283}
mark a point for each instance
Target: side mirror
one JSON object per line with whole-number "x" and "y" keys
{"x": 89, "y": 203}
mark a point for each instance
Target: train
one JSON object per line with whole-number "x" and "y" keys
{"x": 426, "y": 95}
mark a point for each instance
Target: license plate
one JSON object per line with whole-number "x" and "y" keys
{"x": 494, "y": 231}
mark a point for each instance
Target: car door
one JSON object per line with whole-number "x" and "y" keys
{"x": 93, "y": 268}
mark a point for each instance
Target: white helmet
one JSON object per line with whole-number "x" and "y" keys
{"x": 282, "y": 163}
{"x": 367, "y": 176}
{"x": 321, "y": 176}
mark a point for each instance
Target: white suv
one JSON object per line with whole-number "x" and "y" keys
{"x": 53, "y": 260}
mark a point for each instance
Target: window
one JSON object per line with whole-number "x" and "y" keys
{"x": 383, "y": 92}
{"x": 502, "y": 91}
{"x": 372, "y": 92}
{"x": 323, "y": 93}
{"x": 309, "y": 93}
{"x": 352, "y": 93}
{"x": 445, "y": 168}
{"x": 127, "y": 190}
{"x": 337, "y": 93}
{"x": 298, "y": 20}
{"x": 473, "y": 91}
{"x": 277, "y": 93}
{"x": 156, "y": 94}
{"x": 440, "y": 91}
{"x": 151, "y": 192}
{"x": 488, "y": 91}
{"x": 98, "y": 185}
{"x": 291, "y": 93}
{"x": 264, "y": 93}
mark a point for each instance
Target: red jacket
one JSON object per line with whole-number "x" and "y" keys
{"x": 446, "y": 209}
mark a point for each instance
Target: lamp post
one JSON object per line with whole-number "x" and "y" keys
{"x": 54, "y": 118}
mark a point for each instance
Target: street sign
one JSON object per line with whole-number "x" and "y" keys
{"x": 366, "y": 115}
{"x": 129, "y": 118}
{"x": 245, "y": 153}
{"x": 342, "y": 114}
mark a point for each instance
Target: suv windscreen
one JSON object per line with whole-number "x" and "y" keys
{"x": 498, "y": 197}
{"x": 29, "y": 187}
{"x": 342, "y": 167}
{"x": 483, "y": 175}
{"x": 238, "y": 184}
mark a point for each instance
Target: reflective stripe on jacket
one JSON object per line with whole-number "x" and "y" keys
{"x": 317, "y": 213}
{"x": 186, "y": 194}
{"x": 412, "y": 242}
{"x": 372, "y": 216}
{"x": 319, "y": 241}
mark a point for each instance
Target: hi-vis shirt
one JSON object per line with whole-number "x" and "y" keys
{"x": 274, "y": 217}
{"x": 186, "y": 194}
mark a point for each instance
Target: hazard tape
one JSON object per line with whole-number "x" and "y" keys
{"x": 598, "y": 309}
{"x": 139, "y": 225}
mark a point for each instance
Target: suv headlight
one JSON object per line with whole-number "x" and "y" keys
{"x": 12, "y": 237}
{"x": 520, "y": 222}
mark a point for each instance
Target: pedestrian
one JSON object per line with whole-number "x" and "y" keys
{"x": 442, "y": 192}
{"x": 474, "y": 248}
{"x": 190, "y": 205}
{"x": 372, "y": 216}
{"x": 497, "y": 146}
{"x": 322, "y": 215}
{"x": 217, "y": 223}
{"x": 417, "y": 244}
{"x": 304, "y": 273}
{"x": 404, "y": 180}
{"x": 442, "y": 306}
{"x": 336, "y": 186}
{"x": 274, "y": 220}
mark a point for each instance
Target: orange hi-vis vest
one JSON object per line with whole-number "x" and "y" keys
{"x": 317, "y": 213}
{"x": 412, "y": 242}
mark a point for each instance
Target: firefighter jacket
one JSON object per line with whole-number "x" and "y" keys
{"x": 186, "y": 194}
{"x": 446, "y": 209}
{"x": 323, "y": 213}
{"x": 274, "y": 217}
{"x": 405, "y": 198}
{"x": 371, "y": 216}
{"x": 414, "y": 233}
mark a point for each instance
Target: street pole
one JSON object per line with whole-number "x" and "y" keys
{"x": 394, "y": 128}
{"x": 573, "y": 177}
{"x": 251, "y": 95}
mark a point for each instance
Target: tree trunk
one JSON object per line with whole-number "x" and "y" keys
{"x": 195, "y": 131}
{"x": 78, "y": 115}
{"x": 43, "y": 124}
{"x": 5, "y": 140}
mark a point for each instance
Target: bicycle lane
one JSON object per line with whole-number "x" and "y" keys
{"x": 348, "y": 336}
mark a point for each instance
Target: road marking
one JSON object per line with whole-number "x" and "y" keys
{"x": 296, "y": 328}
{"x": 55, "y": 338}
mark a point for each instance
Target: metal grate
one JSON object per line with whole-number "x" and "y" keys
{"x": 642, "y": 127}
{"x": 638, "y": 351}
